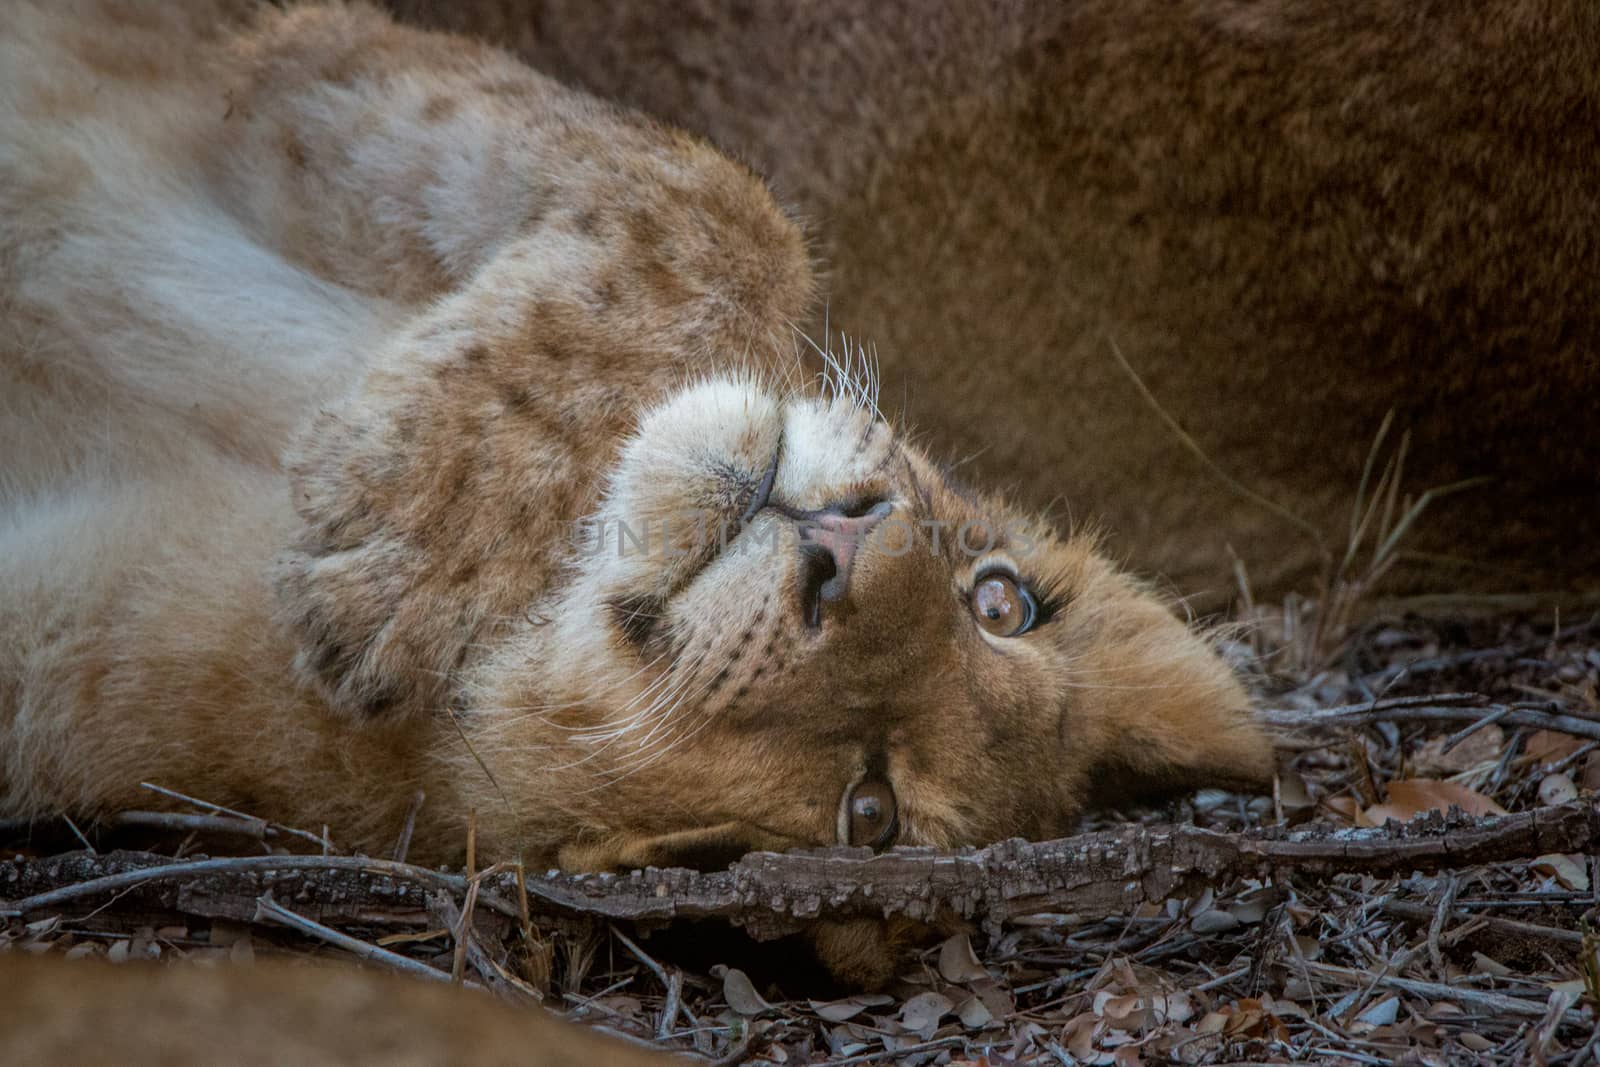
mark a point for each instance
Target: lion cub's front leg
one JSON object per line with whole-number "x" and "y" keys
{"x": 582, "y": 262}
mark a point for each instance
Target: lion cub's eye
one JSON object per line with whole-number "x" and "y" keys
{"x": 872, "y": 815}
{"x": 1001, "y": 606}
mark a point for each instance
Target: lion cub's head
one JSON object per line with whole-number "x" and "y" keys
{"x": 662, "y": 613}
{"x": 784, "y": 626}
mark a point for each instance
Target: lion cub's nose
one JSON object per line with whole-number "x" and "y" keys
{"x": 830, "y": 541}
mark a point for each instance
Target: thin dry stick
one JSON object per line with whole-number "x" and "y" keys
{"x": 402, "y": 845}
{"x": 268, "y": 908}
{"x": 464, "y": 928}
{"x": 1508, "y": 927}
{"x": 218, "y": 809}
{"x": 463, "y": 932}
{"x": 79, "y": 835}
{"x": 442, "y": 910}
{"x": 1467, "y": 731}
{"x": 905, "y": 1050}
{"x": 1495, "y": 1002}
{"x": 114, "y": 883}
{"x": 1447, "y": 900}
{"x": 669, "y": 1009}
{"x": 181, "y": 822}
{"x": 1443, "y": 707}
{"x": 672, "y": 982}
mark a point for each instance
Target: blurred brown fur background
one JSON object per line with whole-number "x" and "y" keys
{"x": 1290, "y": 218}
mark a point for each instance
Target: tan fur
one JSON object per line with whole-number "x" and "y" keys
{"x": 1290, "y": 216}
{"x": 493, "y": 307}
{"x": 273, "y": 1013}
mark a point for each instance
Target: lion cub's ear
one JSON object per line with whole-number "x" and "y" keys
{"x": 430, "y": 501}
{"x": 1162, "y": 713}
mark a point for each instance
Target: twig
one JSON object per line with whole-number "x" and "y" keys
{"x": 742, "y": 1049}
{"x": 78, "y": 834}
{"x": 769, "y": 894}
{"x": 268, "y": 908}
{"x": 1467, "y": 731}
{"x": 402, "y": 845}
{"x": 1447, "y": 899}
{"x": 218, "y": 809}
{"x": 641, "y": 955}
{"x": 1581, "y": 1057}
{"x": 671, "y": 982}
{"x": 906, "y": 1050}
{"x": 1435, "y": 664}
{"x": 442, "y": 910}
{"x": 669, "y": 1007}
{"x": 1441, "y": 707}
{"x": 229, "y": 865}
{"x": 180, "y": 822}
{"x": 1511, "y": 927}
{"x": 1494, "y": 1002}
{"x": 463, "y": 932}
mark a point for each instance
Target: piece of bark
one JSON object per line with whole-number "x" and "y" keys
{"x": 769, "y": 894}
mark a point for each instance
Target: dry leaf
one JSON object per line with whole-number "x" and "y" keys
{"x": 1481, "y": 746}
{"x": 1126, "y": 1012}
{"x": 1214, "y": 921}
{"x": 1078, "y": 1038}
{"x": 738, "y": 991}
{"x": 622, "y": 1004}
{"x": 1556, "y": 789}
{"x": 1309, "y": 948}
{"x": 1589, "y": 779}
{"x": 1549, "y": 746}
{"x": 957, "y": 962}
{"x": 921, "y": 1014}
{"x": 1293, "y": 796}
{"x": 1252, "y": 906}
{"x": 1484, "y": 965}
{"x": 1410, "y": 797}
{"x": 1570, "y": 871}
{"x": 996, "y": 997}
{"x": 1172, "y": 1008}
{"x": 837, "y": 1011}
{"x": 1346, "y": 808}
{"x": 1382, "y": 1013}
{"x": 974, "y": 1014}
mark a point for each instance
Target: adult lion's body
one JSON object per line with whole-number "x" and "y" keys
{"x": 1289, "y": 217}
{"x": 185, "y": 1015}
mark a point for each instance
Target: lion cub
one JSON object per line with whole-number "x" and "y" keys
{"x": 377, "y": 415}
